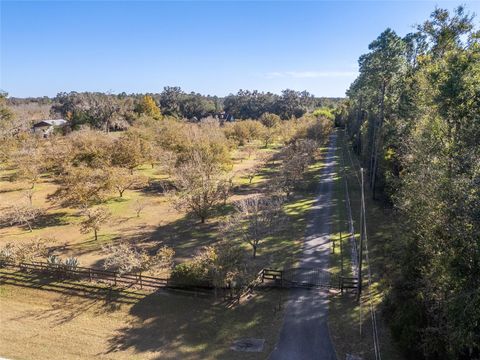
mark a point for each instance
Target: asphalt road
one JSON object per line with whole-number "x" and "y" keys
{"x": 304, "y": 334}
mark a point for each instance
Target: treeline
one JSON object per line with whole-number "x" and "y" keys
{"x": 252, "y": 104}
{"x": 119, "y": 111}
{"x": 413, "y": 117}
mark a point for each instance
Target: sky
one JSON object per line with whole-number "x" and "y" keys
{"x": 212, "y": 47}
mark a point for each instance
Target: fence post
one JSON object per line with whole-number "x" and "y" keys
{"x": 141, "y": 285}
{"x": 115, "y": 278}
{"x": 90, "y": 274}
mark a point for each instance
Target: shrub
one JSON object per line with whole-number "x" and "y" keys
{"x": 7, "y": 254}
{"x": 189, "y": 274}
{"x": 71, "y": 263}
{"x": 125, "y": 258}
{"x": 54, "y": 262}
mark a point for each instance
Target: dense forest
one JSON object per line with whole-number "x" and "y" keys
{"x": 413, "y": 117}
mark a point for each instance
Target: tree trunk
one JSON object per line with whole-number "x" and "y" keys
{"x": 254, "y": 251}
{"x": 202, "y": 219}
{"x": 95, "y": 233}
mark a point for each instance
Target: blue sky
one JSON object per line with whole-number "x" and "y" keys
{"x": 214, "y": 47}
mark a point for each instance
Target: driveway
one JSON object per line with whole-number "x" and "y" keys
{"x": 304, "y": 333}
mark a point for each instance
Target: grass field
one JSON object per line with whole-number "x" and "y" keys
{"x": 350, "y": 322}
{"x": 44, "y": 319}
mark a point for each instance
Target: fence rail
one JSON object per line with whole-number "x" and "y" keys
{"x": 286, "y": 278}
{"x": 91, "y": 274}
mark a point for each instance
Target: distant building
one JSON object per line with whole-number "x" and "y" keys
{"x": 46, "y": 127}
{"x": 223, "y": 116}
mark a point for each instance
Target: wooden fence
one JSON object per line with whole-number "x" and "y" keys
{"x": 265, "y": 278}
{"x": 90, "y": 274}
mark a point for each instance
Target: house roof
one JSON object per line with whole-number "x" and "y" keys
{"x": 51, "y": 122}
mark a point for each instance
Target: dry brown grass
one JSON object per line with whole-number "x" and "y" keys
{"x": 45, "y": 320}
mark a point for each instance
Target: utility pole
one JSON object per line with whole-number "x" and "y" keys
{"x": 362, "y": 231}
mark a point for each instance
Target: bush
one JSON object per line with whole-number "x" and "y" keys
{"x": 54, "y": 262}
{"x": 190, "y": 273}
{"x": 7, "y": 254}
{"x": 71, "y": 263}
{"x": 324, "y": 113}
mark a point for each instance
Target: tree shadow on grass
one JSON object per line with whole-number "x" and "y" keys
{"x": 158, "y": 187}
{"x": 186, "y": 235}
{"x": 51, "y": 219}
{"x": 43, "y": 221}
{"x": 176, "y": 326}
{"x": 75, "y": 297}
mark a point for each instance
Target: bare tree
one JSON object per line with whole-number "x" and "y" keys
{"x": 21, "y": 214}
{"x": 226, "y": 188}
{"x": 200, "y": 186}
{"x": 297, "y": 158}
{"x": 29, "y": 163}
{"x": 252, "y": 172}
{"x": 250, "y": 149}
{"x": 24, "y": 252}
{"x": 94, "y": 219}
{"x": 139, "y": 206}
{"x": 29, "y": 195}
{"x": 254, "y": 219}
{"x": 122, "y": 179}
{"x": 126, "y": 258}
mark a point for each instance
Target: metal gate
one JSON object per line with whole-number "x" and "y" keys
{"x": 303, "y": 277}
{"x": 309, "y": 277}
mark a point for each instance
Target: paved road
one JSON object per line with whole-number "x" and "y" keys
{"x": 304, "y": 334}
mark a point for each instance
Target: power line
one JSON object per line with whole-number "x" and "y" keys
{"x": 364, "y": 237}
{"x": 376, "y": 342}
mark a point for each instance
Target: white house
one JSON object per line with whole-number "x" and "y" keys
{"x": 46, "y": 127}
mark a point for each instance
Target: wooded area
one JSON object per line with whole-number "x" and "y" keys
{"x": 413, "y": 118}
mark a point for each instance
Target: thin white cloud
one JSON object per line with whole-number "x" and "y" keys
{"x": 310, "y": 74}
